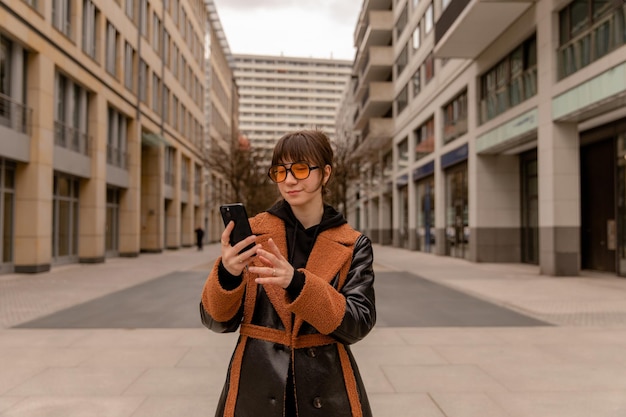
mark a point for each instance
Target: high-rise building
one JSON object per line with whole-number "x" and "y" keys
{"x": 498, "y": 130}
{"x": 280, "y": 94}
{"x": 101, "y": 129}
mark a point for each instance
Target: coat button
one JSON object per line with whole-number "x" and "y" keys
{"x": 273, "y": 401}
{"x": 312, "y": 352}
{"x": 317, "y": 402}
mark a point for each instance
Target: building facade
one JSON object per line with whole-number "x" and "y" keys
{"x": 221, "y": 118}
{"x": 497, "y": 130}
{"x": 280, "y": 94}
{"x": 101, "y": 129}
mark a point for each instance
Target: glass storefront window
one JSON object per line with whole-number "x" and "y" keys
{"x": 425, "y": 222}
{"x": 621, "y": 204}
{"x": 7, "y": 185}
{"x": 65, "y": 218}
{"x": 403, "y": 154}
{"x": 457, "y": 219}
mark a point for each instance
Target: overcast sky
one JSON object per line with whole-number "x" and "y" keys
{"x": 301, "y": 28}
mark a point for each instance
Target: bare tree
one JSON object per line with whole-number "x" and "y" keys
{"x": 346, "y": 170}
{"x": 239, "y": 166}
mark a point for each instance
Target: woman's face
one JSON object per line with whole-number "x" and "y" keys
{"x": 307, "y": 191}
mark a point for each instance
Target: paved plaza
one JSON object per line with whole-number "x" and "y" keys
{"x": 453, "y": 339}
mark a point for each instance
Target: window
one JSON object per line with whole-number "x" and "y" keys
{"x": 402, "y": 61}
{"x": 402, "y": 99}
{"x": 143, "y": 80}
{"x": 90, "y": 28}
{"x": 403, "y": 153}
{"x": 65, "y": 217}
{"x": 416, "y": 81}
{"x": 166, "y": 104}
{"x": 170, "y": 158}
{"x": 588, "y": 30}
{"x": 425, "y": 139}
{"x": 131, "y": 10}
{"x": 156, "y": 93}
{"x": 62, "y": 16}
{"x": 117, "y": 137}
{"x": 143, "y": 17}
{"x": 429, "y": 68}
{"x": 129, "y": 67}
{"x": 510, "y": 82}
{"x": 428, "y": 19}
{"x": 416, "y": 37}
{"x": 445, "y": 3}
{"x": 401, "y": 23}
{"x": 111, "y": 45}
{"x": 455, "y": 118}
{"x": 156, "y": 34}
{"x": 70, "y": 118}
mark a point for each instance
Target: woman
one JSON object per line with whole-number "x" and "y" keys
{"x": 300, "y": 296}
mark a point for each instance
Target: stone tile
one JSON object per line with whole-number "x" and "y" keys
{"x": 397, "y": 355}
{"x": 563, "y": 404}
{"x": 440, "y": 378}
{"x": 177, "y": 381}
{"x": 133, "y": 357}
{"x": 12, "y": 377}
{"x": 405, "y": 405}
{"x": 536, "y": 377}
{"x": 7, "y": 402}
{"x": 502, "y": 353}
{"x": 205, "y": 337}
{"x": 375, "y": 379}
{"x": 190, "y": 406}
{"x": 615, "y": 354}
{"x": 130, "y": 338}
{"x": 450, "y": 336}
{"x": 82, "y": 382}
{"x": 382, "y": 336}
{"x": 40, "y": 337}
{"x": 74, "y": 407}
{"x": 215, "y": 358}
{"x": 460, "y": 404}
{"x": 40, "y": 357}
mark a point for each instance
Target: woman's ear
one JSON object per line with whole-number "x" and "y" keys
{"x": 327, "y": 170}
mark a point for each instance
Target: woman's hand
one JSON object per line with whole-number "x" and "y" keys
{"x": 277, "y": 269}
{"x": 231, "y": 259}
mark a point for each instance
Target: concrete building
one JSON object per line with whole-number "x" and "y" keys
{"x": 280, "y": 94}
{"x": 498, "y": 130}
{"x": 101, "y": 129}
{"x": 221, "y": 118}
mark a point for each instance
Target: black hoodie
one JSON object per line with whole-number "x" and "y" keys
{"x": 300, "y": 241}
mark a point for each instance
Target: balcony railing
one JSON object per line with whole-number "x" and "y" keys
{"x": 117, "y": 157}
{"x": 71, "y": 138}
{"x": 15, "y": 115}
{"x": 520, "y": 89}
{"x": 169, "y": 178}
{"x": 603, "y": 37}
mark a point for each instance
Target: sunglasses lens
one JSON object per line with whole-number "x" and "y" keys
{"x": 300, "y": 171}
{"x": 278, "y": 173}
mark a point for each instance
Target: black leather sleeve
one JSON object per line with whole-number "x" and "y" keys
{"x": 218, "y": 326}
{"x": 358, "y": 289}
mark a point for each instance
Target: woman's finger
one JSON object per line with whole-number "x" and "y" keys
{"x": 226, "y": 233}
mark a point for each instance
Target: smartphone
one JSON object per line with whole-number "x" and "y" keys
{"x": 237, "y": 213}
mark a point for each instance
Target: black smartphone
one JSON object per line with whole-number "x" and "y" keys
{"x": 237, "y": 213}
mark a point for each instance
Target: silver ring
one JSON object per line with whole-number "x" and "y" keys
{"x": 273, "y": 272}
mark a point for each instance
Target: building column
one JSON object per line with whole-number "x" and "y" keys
{"x": 130, "y": 198}
{"x": 92, "y": 203}
{"x": 152, "y": 208}
{"x": 558, "y": 154}
{"x": 33, "y": 181}
{"x": 174, "y": 212}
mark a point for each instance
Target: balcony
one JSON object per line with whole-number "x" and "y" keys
{"x": 467, "y": 27}
{"x": 376, "y": 65}
{"x": 373, "y": 16}
{"x": 15, "y": 129}
{"x": 377, "y": 134}
{"x": 69, "y": 137}
{"x": 376, "y": 101}
{"x": 378, "y": 30}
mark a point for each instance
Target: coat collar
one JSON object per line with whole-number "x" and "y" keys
{"x": 331, "y": 251}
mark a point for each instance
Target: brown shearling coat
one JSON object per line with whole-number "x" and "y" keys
{"x": 312, "y": 333}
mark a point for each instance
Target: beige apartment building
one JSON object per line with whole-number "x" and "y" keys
{"x": 281, "y": 94}
{"x": 101, "y": 129}
{"x": 221, "y": 118}
{"x": 497, "y": 129}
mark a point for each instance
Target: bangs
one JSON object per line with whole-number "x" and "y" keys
{"x": 294, "y": 147}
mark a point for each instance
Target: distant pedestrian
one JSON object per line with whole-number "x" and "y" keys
{"x": 300, "y": 302}
{"x": 199, "y": 237}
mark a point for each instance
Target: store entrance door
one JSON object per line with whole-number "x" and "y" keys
{"x": 598, "y": 230}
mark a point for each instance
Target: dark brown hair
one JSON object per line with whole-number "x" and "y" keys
{"x": 312, "y": 146}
